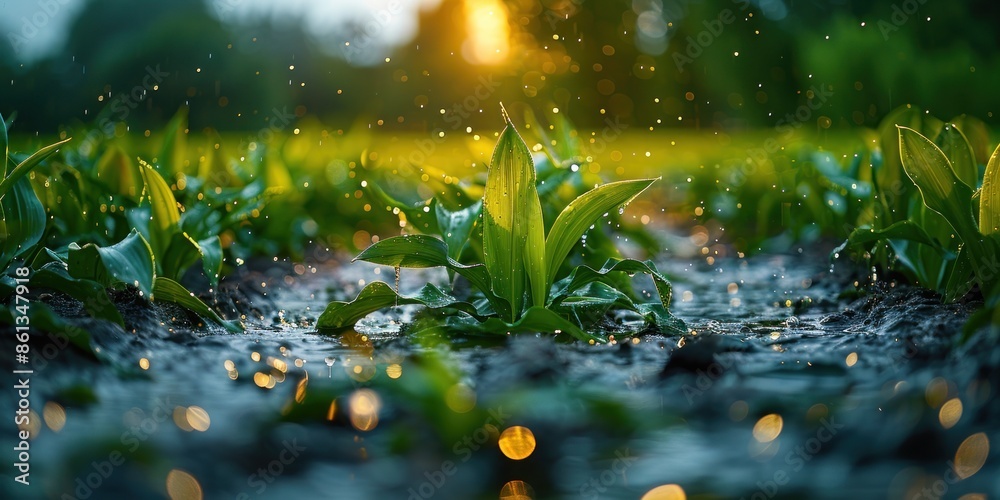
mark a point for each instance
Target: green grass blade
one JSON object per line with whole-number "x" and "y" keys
{"x": 3, "y": 148}
{"x": 456, "y": 226}
{"x": 129, "y": 261}
{"x": 423, "y": 221}
{"x": 164, "y": 214}
{"x": 168, "y": 290}
{"x": 379, "y": 295}
{"x": 29, "y": 163}
{"x": 534, "y": 319}
{"x": 942, "y": 191}
{"x": 421, "y": 251}
{"x": 989, "y": 198}
{"x": 584, "y": 212}
{"x": 655, "y": 312}
{"x": 929, "y": 168}
{"x": 211, "y": 258}
{"x": 958, "y": 283}
{"x": 174, "y": 148}
{"x": 23, "y": 222}
{"x": 513, "y": 243}
{"x": 902, "y": 230}
{"x": 958, "y": 150}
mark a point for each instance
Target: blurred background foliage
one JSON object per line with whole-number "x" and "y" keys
{"x": 716, "y": 65}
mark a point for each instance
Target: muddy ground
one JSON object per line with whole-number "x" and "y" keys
{"x": 788, "y": 387}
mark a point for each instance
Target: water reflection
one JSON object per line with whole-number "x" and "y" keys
{"x": 517, "y": 490}
{"x": 517, "y": 442}
{"x": 665, "y": 492}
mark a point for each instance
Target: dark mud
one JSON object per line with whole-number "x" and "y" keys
{"x": 865, "y": 386}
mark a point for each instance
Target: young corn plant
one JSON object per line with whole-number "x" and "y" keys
{"x": 84, "y": 272}
{"x": 948, "y": 239}
{"x": 518, "y": 285}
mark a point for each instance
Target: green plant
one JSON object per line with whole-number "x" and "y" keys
{"x": 516, "y": 283}
{"x": 935, "y": 213}
{"x": 69, "y": 201}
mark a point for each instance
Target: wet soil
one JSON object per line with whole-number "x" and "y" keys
{"x": 786, "y": 387}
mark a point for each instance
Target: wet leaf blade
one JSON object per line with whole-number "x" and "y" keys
{"x": 958, "y": 150}
{"x": 989, "y": 201}
{"x": 168, "y": 290}
{"x": 28, "y": 164}
{"x": 416, "y": 217}
{"x": 583, "y": 212}
{"x": 456, "y": 226}
{"x": 958, "y": 282}
{"x": 513, "y": 243}
{"x": 379, "y": 295}
{"x": 656, "y": 312}
{"x": 538, "y": 319}
{"x": 421, "y": 251}
{"x": 944, "y": 193}
{"x": 164, "y": 214}
{"x": 902, "y": 230}
{"x": 3, "y": 148}
{"x": 129, "y": 261}
{"x": 929, "y": 168}
{"x": 24, "y": 221}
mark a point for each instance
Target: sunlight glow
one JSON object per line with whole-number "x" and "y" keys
{"x": 488, "y": 32}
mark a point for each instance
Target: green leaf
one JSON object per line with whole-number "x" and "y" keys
{"x": 513, "y": 230}
{"x": 929, "y": 168}
{"x": 958, "y": 283}
{"x": 584, "y": 212}
{"x": 89, "y": 292}
{"x": 211, "y": 258}
{"x": 118, "y": 173}
{"x": 421, "y": 251}
{"x": 417, "y": 215}
{"x": 3, "y": 148}
{"x": 656, "y": 312}
{"x": 978, "y": 135}
{"x": 168, "y": 290}
{"x": 23, "y": 221}
{"x": 944, "y": 193}
{"x": 957, "y": 149}
{"x": 29, "y": 163}
{"x": 174, "y": 147}
{"x": 379, "y": 295}
{"x": 179, "y": 255}
{"x": 535, "y": 319}
{"x": 456, "y": 226}
{"x": 164, "y": 215}
{"x": 902, "y": 230}
{"x": 989, "y": 198}
{"x": 129, "y": 261}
